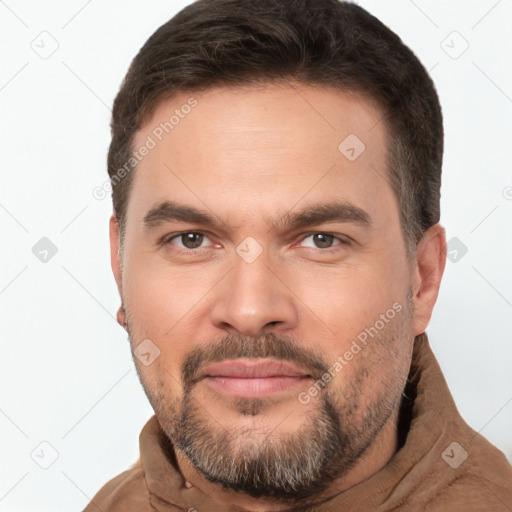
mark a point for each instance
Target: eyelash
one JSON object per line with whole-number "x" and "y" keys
{"x": 168, "y": 239}
{"x": 343, "y": 240}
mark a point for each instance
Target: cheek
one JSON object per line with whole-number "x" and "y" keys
{"x": 160, "y": 298}
{"x": 155, "y": 306}
{"x": 157, "y": 355}
{"x": 341, "y": 302}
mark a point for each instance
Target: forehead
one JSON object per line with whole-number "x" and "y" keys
{"x": 262, "y": 143}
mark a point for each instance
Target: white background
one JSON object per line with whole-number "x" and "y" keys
{"x": 67, "y": 377}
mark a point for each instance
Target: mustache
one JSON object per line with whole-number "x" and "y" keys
{"x": 269, "y": 345}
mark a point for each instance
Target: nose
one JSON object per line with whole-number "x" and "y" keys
{"x": 253, "y": 299}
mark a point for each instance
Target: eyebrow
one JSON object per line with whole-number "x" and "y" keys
{"x": 168, "y": 211}
{"x": 322, "y": 213}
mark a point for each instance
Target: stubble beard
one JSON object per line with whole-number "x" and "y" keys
{"x": 290, "y": 467}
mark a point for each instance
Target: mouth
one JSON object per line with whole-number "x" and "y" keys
{"x": 253, "y": 378}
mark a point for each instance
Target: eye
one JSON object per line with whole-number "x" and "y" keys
{"x": 321, "y": 241}
{"x": 188, "y": 240}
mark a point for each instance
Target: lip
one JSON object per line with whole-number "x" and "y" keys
{"x": 253, "y": 379}
{"x": 253, "y": 369}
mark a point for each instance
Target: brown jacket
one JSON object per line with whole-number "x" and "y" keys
{"x": 443, "y": 465}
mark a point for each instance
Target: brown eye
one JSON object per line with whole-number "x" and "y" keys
{"x": 191, "y": 240}
{"x": 323, "y": 241}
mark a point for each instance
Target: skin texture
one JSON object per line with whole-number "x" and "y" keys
{"x": 251, "y": 158}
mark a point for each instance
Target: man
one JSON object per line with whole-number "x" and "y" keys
{"x": 276, "y": 243}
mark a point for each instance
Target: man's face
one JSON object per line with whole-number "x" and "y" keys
{"x": 253, "y": 237}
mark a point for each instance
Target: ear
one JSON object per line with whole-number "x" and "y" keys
{"x": 115, "y": 260}
{"x": 428, "y": 270}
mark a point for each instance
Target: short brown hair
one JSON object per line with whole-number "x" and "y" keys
{"x": 315, "y": 42}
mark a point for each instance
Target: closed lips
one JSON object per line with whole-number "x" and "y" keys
{"x": 250, "y": 369}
